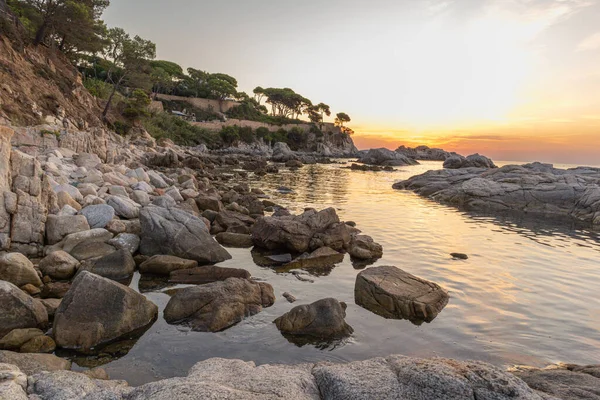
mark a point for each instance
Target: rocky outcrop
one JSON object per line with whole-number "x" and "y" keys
{"x": 425, "y": 153}
{"x": 385, "y": 157}
{"x": 565, "y": 381}
{"x": 392, "y": 293}
{"x": 97, "y": 310}
{"x": 178, "y": 233}
{"x": 393, "y": 377}
{"x": 472, "y": 161}
{"x": 34, "y": 363}
{"x": 538, "y": 189}
{"x": 323, "y": 320}
{"x": 219, "y": 305}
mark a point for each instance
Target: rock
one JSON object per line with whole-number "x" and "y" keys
{"x": 126, "y": 241}
{"x": 459, "y": 256}
{"x": 59, "y": 227}
{"x": 289, "y": 297}
{"x": 91, "y": 249}
{"x": 118, "y": 266}
{"x": 291, "y": 232}
{"x": 363, "y": 247}
{"x": 282, "y": 152}
{"x": 386, "y": 157}
{"x": 67, "y": 211}
{"x": 177, "y": 233}
{"x": 55, "y": 290}
{"x": 392, "y": 293}
{"x": 18, "y": 270}
{"x": 217, "y": 306}
{"x": 73, "y": 192}
{"x": 97, "y": 373}
{"x": 31, "y": 363}
{"x": 124, "y": 207}
{"x": 323, "y": 319}
{"x": 140, "y": 197}
{"x": 30, "y": 289}
{"x": 229, "y": 239}
{"x": 51, "y": 306}
{"x": 156, "y": 180}
{"x": 566, "y": 382}
{"x": 209, "y": 202}
{"x": 233, "y": 222}
{"x": 294, "y": 164}
{"x": 13, "y": 383}
{"x": 70, "y": 385}
{"x": 98, "y": 216}
{"x": 218, "y": 378}
{"x": 321, "y": 258}
{"x": 19, "y": 310}
{"x": 18, "y": 337}
{"x": 59, "y": 265}
{"x": 97, "y": 310}
{"x": 164, "y": 265}
{"x": 65, "y": 199}
{"x": 472, "y": 161}
{"x": 206, "y": 274}
{"x": 39, "y": 344}
{"x": 93, "y": 235}
{"x": 425, "y": 153}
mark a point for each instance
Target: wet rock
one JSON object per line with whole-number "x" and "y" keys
{"x": 292, "y": 232}
{"x": 206, "y": 274}
{"x": 19, "y": 310}
{"x": 18, "y": 337}
{"x": 229, "y": 239}
{"x": 57, "y": 227}
{"x": 280, "y": 258}
{"x": 18, "y": 270}
{"x": 31, "y": 363}
{"x": 459, "y": 256}
{"x": 97, "y": 310}
{"x": 118, "y": 266}
{"x": 323, "y": 319}
{"x": 363, "y": 247}
{"x": 320, "y": 258}
{"x": 39, "y": 344}
{"x": 294, "y": 164}
{"x": 217, "y": 306}
{"x": 59, "y": 265}
{"x": 177, "y": 233}
{"x": 232, "y": 221}
{"x": 98, "y": 216}
{"x": 385, "y": 157}
{"x": 164, "y": 265}
{"x": 392, "y": 293}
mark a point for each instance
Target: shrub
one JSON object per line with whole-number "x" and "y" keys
{"x": 296, "y": 138}
{"x": 230, "y": 134}
{"x": 163, "y": 125}
{"x": 246, "y": 134}
{"x": 263, "y": 133}
{"x": 137, "y": 105}
{"x": 98, "y": 88}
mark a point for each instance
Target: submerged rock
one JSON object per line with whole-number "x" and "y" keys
{"x": 392, "y": 293}
{"x": 320, "y": 258}
{"x": 97, "y": 310}
{"x": 219, "y": 305}
{"x": 323, "y": 319}
{"x": 206, "y": 274}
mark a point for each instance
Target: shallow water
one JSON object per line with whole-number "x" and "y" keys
{"x": 528, "y": 294}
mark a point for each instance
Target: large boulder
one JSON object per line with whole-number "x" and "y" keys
{"x": 323, "y": 319}
{"x": 393, "y": 293}
{"x": 118, "y": 266}
{"x": 363, "y": 247}
{"x": 98, "y": 216}
{"x": 178, "y": 233}
{"x": 59, "y": 265}
{"x": 472, "y": 161}
{"x": 292, "y": 232}
{"x": 124, "y": 207}
{"x": 19, "y": 310}
{"x": 164, "y": 265}
{"x": 18, "y": 270}
{"x": 97, "y": 310}
{"x": 217, "y": 306}
{"x": 58, "y": 227}
{"x": 282, "y": 152}
{"x": 385, "y": 157}
{"x": 565, "y": 381}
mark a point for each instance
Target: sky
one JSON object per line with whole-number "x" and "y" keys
{"x": 512, "y": 79}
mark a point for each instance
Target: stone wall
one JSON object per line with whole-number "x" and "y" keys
{"x": 203, "y": 104}
{"x": 216, "y": 126}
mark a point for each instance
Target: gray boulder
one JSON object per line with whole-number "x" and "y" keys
{"x": 217, "y": 306}
{"x": 386, "y": 157}
{"x": 118, "y": 266}
{"x": 98, "y": 216}
{"x": 178, "y": 233}
{"x": 18, "y": 310}
{"x": 18, "y": 270}
{"x": 392, "y": 293}
{"x": 128, "y": 241}
{"x": 323, "y": 319}
{"x": 472, "y": 161}
{"x": 124, "y": 207}
{"x": 97, "y": 310}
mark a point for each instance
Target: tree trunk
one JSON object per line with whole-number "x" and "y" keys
{"x": 41, "y": 33}
{"x": 105, "y": 112}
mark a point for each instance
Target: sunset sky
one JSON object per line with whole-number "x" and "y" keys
{"x": 512, "y": 79}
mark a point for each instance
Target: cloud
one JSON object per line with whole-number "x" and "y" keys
{"x": 590, "y": 43}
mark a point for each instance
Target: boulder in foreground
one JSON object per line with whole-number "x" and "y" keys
{"x": 18, "y": 310}
{"x": 97, "y": 310}
{"x": 178, "y": 233}
{"x": 393, "y": 293}
{"x": 323, "y": 319}
{"x": 219, "y": 305}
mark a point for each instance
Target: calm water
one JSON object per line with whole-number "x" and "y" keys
{"x": 529, "y": 293}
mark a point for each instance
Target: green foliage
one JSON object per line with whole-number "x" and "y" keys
{"x": 97, "y": 88}
{"x": 169, "y": 67}
{"x": 286, "y": 103}
{"x": 179, "y": 131}
{"x": 230, "y": 134}
{"x": 45, "y": 132}
{"x": 296, "y": 138}
{"x": 122, "y": 128}
{"x": 246, "y": 134}
{"x": 137, "y": 105}
{"x": 341, "y": 118}
{"x": 263, "y": 133}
